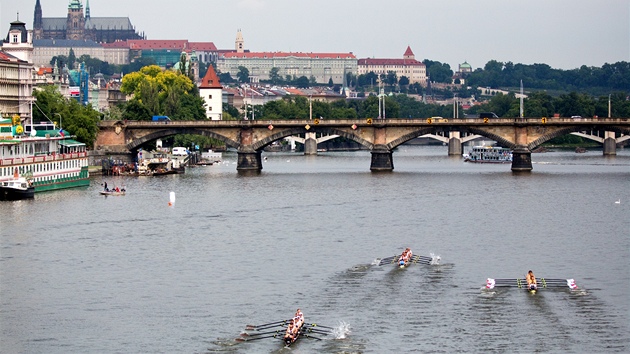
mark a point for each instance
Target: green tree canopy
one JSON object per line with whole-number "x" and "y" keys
{"x": 80, "y": 121}
{"x": 162, "y": 92}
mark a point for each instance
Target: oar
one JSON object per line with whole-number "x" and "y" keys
{"x": 316, "y": 325}
{"x": 387, "y": 260}
{"x": 266, "y": 325}
{"x": 316, "y": 331}
{"x": 310, "y": 336}
{"x": 257, "y": 338}
{"x": 261, "y": 334}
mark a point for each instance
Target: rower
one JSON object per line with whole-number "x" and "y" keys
{"x": 289, "y": 333}
{"x": 531, "y": 281}
{"x": 405, "y": 257}
{"x": 299, "y": 318}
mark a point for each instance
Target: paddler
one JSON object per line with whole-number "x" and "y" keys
{"x": 288, "y": 336}
{"x": 299, "y": 318}
{"x": 405, "y": 257}
{"x": 531, "y": 281}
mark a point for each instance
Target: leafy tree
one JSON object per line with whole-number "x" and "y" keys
{"x": 302, "y": 82}
{"x": 438, "y": 72}
{"x": 80, "y": 121}
{"x": 274, "y": 76}
{"x": 403, "y": 81}
{"x": 391, "y": 79}
{"x": 243, "y": 74}
{"x": 225, "y": 78}
{"x": 71, "y": 59}
{"x": 163, "y": 92}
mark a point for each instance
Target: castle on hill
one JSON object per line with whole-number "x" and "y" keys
{"x": 80, "y": 25}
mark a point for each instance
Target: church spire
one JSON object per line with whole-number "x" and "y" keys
{"x": 87, "y": 10}
{"x": 37, "y": 16}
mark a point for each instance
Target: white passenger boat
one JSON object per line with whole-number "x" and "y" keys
{"x": 488, "y": 154}
{"x": 50, "y": 158}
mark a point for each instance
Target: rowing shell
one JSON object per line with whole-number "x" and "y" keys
{"x": 271, "y": 330}
{"x": 522, "y": 283}
{"x": 414, "y": 260}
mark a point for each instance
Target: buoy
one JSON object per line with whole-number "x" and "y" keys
{"x": 171, "y": 199}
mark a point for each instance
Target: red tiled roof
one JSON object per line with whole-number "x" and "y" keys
{"x": 271, "y": 55}
{"x": 210, "y": 80}
{"x": 44, "y": 70}
{"x": 140, "y": 44}
{"x": 375, "y": 61}
{"x": 4, "y": 56}
{"x": 117, "y": 44}
{"x": 408, "y": 52}
{"x": 202, "y": 46}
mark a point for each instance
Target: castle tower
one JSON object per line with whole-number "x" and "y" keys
{"x": 239, "y": 43}
{"x": 409, "y": 54}
{"x": 211, "y": 91}
{"x": 38, "y": 27}
{"x": 75, "y": 24}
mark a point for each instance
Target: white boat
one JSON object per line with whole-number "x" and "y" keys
{"x": 488, "y": 154}
{"x": 17, "y": 188}
{"x": 51, "y": 158}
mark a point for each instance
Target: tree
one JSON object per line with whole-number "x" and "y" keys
{"x": 392, "y": 79}
{"x": 302, "y": 82}
{"x": 80, "y": 121}
{"x": 438, "y": 72}
{"x": 71, "y": 59}
{"x": 243, "y": 74}
{"x": 330, "y": 82}
{"x": 163, "y": 92}
{"x": 274, "y": 76}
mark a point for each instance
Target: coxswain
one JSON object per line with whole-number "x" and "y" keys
{"x": 531, "y": 281}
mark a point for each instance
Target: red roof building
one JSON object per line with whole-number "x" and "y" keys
{"x": 407, "y": 66}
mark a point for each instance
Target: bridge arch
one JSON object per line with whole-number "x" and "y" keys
{"x": 136, "y": 143}
{"x": 572, "y": 129}
{"x": 261, "y": 144}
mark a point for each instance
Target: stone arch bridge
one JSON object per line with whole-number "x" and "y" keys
{"x": 522, "y": 135}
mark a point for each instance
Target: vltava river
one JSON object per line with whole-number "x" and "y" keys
{"x": 83, "y": 273}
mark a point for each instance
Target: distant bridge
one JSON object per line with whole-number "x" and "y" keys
{"x": 250, "y": 137}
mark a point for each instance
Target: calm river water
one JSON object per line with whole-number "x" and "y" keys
{"x": 83, "y": 273}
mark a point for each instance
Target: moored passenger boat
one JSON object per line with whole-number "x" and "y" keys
{"x": 50, "y": 158}
{"x": 488, "y": 154}
{"x": 17, "y": 188}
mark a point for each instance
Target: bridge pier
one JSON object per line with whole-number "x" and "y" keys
{"x": 455, "y": 145}
{"x": 310, "y": 144}
{"x": 382, "y": 160}
{"x": 249, "y": 161}
{"x": 610, "y": 143}
{"x": 521, "y": 159}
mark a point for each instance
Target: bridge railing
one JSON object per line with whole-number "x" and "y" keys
{"x": 369, "y": 121}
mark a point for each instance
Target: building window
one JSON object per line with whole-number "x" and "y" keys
{"x": 15, "y": 38}
{"x": 209, "y": 109}
{"x": 209, "y": 97}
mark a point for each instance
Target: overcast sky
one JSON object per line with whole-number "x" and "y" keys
{"x": 565, "y": 34}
